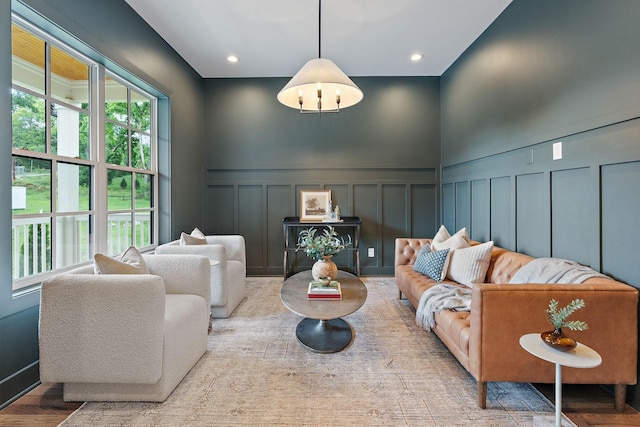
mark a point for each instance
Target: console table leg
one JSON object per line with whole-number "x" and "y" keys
{"x": 558, "y": 394}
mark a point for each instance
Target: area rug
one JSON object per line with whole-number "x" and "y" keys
{"x": 255, "y": 372}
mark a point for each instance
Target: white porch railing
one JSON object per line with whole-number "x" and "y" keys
{"x": 31, "y": 241}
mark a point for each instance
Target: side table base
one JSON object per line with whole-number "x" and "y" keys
{"x": 324, "y": 336}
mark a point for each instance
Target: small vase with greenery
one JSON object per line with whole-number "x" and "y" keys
{"x": 321, "y": 248}
{"x": 558, "y": 318}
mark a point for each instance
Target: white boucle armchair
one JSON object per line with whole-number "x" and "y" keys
{"x": 228, "y": 275}
{"x": 125, "y": 337}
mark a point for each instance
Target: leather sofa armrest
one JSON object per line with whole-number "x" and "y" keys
{"x": 501, "y": 314}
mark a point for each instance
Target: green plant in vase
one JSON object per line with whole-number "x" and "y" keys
{"x": 321, "y": 248}
{"x": 558, "y": 317}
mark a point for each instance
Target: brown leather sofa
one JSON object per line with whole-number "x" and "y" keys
{"x": 486, "y": 339}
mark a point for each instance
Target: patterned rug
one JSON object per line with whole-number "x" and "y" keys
{"x": 257, "y": 373}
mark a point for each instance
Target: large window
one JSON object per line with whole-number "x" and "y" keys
{"x": 84, "y": 169}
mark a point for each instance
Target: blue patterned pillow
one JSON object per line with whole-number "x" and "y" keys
{"x": 432, "y": 263}
{"x": 419, "y": 264}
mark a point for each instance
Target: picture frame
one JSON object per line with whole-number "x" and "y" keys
{"x": 314, "y": 204}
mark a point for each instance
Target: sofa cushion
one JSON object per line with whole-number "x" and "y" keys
{"x": 432, "y": 263}
{"x": 469, "y": 265}
{"x": 129, "y": 262}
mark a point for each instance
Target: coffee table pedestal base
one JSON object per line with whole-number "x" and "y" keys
{"x": 324, "y": 336}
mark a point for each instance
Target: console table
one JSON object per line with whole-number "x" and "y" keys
{"x": 580, "y": 357}
{"x": 292, "y": 225}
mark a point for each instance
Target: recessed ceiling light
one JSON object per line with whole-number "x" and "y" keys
{"x": 416, "y": 57}
{"x": 232, "y": 58}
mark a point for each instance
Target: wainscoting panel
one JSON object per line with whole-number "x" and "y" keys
{"x": 391, "y": 203}
{"x": 501, "y": 218}
{"x": 221, "y": 203}
{"x": 365, "y": 205}
{"x": 250, "y": 199}
{"x": 280, "y": 203}
{"x": 463, "y": 206}
{"x": 532, "y": 214}
{"x": 620, "y": 212}
{"x": 449, "y": 206}
{"x": 480, "y": 211}
{"x": 424, "y": 214}
{"x": 571, "y": 198}
{"x": 394, "y": 220}
{"x": 583, "y": 207}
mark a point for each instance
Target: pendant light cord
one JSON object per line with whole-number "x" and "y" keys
{"x": 319, "y": 28}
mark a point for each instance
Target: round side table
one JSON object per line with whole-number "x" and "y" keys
{"x": 580, "y": 357}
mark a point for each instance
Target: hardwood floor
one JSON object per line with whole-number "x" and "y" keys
{"x": 42, "y": 406}
{"x": 586, "y": 406}
{"x": 591, "y": 405}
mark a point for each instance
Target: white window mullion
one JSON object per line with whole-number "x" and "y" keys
{"x": 98, "y": 142}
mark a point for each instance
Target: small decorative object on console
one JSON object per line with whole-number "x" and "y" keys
{"x": 558, "y": 318}
{"x": 324, "y": 289}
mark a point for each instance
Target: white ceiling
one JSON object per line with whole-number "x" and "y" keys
{"x": 275, "y": 38}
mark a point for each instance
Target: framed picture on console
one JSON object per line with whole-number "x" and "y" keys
{"x": 314, "y": 204}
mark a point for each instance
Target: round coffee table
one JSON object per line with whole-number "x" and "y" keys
{"x": 322, "y": 330}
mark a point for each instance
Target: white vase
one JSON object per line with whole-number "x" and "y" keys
{"x": 324, "y": 268}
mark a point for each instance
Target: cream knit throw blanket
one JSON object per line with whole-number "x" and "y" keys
{"x": 441, "y": 297}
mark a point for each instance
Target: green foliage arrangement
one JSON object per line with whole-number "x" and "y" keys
{"x": 326, "y": 244}
{"x": 558, "y": 317}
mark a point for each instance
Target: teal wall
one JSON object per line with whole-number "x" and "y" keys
{"x": 379, "y": 158}
{"x": 545, "y": 72}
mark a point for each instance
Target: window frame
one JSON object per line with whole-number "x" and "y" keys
{"x": 96, "y": 161}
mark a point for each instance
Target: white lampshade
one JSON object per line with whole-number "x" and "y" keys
{"x": 322, "y": 75}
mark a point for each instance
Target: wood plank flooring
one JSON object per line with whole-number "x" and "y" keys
{"x": 586, "y": 406}
{"x": 42, "y": 406}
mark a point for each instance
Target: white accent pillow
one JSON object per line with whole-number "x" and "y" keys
{"x": 196, "y": 237}
{"x": 129, "y": 262}
{"x": 457, "y": 241}
{"x": 443, "y": 235}
{"x": 469, "y": 265}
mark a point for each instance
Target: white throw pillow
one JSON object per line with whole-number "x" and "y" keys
{"x": 196, "y": 237}
{"x": 469, "y": 265}
{"x": 457, "y": 241}
{"x": 443, "y": 235}
{"x": 129, "y": 262}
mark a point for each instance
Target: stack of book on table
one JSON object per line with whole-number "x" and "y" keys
{"x": 324, "y": 290}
